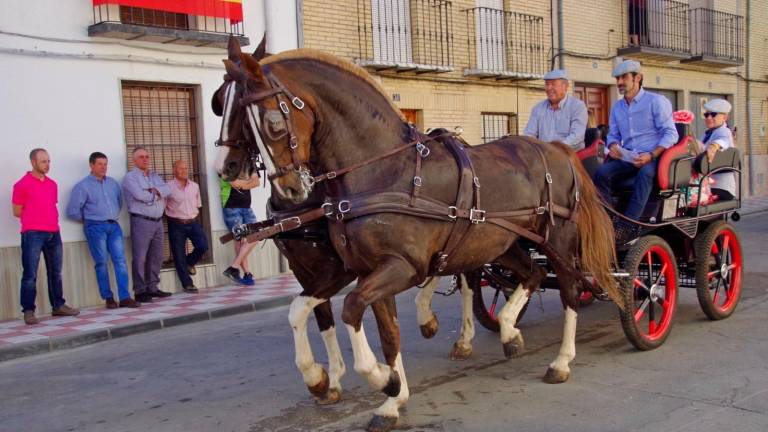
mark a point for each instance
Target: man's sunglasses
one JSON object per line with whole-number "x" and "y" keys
{"x": 710, "y": 114}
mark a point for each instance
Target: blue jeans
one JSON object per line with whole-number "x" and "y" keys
{"x": 103, "y": 238}
{"x": 238, "y": 216}
{"x": 615, "y": 172}
{"x": 178, "y": 234}
{"x": 49, "y": 243}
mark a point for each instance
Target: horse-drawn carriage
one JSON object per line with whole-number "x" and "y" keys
{"x": 372, "y": 198}
{"x": 679, "y": 246}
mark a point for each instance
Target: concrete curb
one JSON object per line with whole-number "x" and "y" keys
{"x": 87, "y": 338}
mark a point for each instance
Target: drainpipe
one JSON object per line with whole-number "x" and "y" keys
{"x": 750, "y": 143}
{"x": 280, "y": 21}
{"x": 560, "y": 36}
{"x": 299, "y": 25}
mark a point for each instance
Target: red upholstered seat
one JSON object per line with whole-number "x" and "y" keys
{"x": 596, "y": 149}
{"x": 674, "y": 169}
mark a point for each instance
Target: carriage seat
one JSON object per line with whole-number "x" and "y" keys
{"x": 728, "y": 158}
{"x": 593, "y": 153}
{"x": 675, "y": 164}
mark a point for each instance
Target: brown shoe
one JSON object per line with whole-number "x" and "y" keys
{"x": 65, "y": 311}
{"x": 30, "y": 318}
{"x": 191, "y": 270}
{"x": 111, "y": 303}
{"x": 129, "y": 303}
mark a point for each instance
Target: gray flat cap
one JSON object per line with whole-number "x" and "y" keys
{"x": 718, "y": 106}
{"x": 626, "y": 66}
{"x": 556, "y": 74}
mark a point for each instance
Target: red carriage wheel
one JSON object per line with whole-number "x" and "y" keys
{"x": 488, "y": 299}
{"x": 650, "y": 293}
{"x": 719, "y": 270}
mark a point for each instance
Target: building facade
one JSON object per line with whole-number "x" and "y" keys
{"x": 79, "y": 76}
{"x": 478, "y": 64}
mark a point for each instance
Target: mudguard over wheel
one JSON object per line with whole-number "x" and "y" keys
{"x": 650, "y": 293}
{"x": 488, "y": 297}
{"x": 719, "y": 270}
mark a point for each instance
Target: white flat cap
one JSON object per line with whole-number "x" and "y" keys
{"x": 718, "y": 106}
{"x": 626, "y": 66}
{"x": 556, "y": 74}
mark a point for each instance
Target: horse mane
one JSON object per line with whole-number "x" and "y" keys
{"x": 335, "y": 61}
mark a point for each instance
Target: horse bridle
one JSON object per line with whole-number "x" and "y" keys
{"x": 277, "y": 90}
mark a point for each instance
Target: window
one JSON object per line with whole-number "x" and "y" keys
{"x": 671, "y": 95}
{"x": 391, "y": 30}
{"x": 497, "y": 125}
{"x": 163, "y": 119}
{"x": 154, "y": 18}
{"x": 491, "y": 35}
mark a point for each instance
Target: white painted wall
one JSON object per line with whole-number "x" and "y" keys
{"x": 60, "y": 89}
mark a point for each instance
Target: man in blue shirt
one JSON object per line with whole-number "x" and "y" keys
{"x": 641, "y": 128}
{"x": 559, "y": 117}
{"x": 96, "y": 202}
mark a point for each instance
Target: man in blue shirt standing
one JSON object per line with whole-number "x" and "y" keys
{"x": 560, "y": 117}
{"x": 96, "y": 202}
{"x": 641, "y": 128}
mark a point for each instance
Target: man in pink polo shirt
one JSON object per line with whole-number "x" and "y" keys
{"x": 34, "y": 201}
{"x": 181, "y": 209}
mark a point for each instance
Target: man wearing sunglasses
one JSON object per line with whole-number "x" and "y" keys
{"x": 719, "y": 137}
{"x": 641, "y": 128}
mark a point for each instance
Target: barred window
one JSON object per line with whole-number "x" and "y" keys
{"x": 153, "y": 18}
{"x": 497, "y": 125}
{"x": 163, "y": 119}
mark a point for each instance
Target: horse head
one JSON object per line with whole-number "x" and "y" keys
{"x": 237, "y": 156}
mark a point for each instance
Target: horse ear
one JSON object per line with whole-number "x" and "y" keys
{"x": 261, "y": 50}
{"x": 233, "y": 70}
{"x": 233, "y": 49}
{"x": 252, "y": 67}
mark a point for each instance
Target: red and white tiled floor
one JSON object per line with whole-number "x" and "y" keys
{"x": 16, "y": 332}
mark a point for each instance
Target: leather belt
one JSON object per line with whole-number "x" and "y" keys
{"x": 146, "y": 217}
{"x": 181, "y": 221}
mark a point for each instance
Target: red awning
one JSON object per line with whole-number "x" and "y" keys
{"x": 230, "y": 9}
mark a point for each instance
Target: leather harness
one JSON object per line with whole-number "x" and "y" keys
{"x": 465, "y": 211}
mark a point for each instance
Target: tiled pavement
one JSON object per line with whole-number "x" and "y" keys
{"x": 98, "y": 324}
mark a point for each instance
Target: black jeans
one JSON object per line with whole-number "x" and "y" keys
{"x": 178, "y": 233}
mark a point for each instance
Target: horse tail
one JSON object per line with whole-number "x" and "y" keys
{"x": 596, "y": 236}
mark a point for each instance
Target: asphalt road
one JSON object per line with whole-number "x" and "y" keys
{"x": 237, "y": 374}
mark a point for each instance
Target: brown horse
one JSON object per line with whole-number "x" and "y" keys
{"x": 314, "y": 262}
{"x": 313, "y": 113}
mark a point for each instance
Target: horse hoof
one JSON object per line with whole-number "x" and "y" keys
{"x": 392, "y": 388}
{"x": 330, "y": 398}
{"x": 429, "y": 330}
{"x": 554, "y": 376}
{"x": 381, "y": 424}
{"x": 460, "y": 353}
{"x": 514, "y": 349}
{"x": 320, "y": 389}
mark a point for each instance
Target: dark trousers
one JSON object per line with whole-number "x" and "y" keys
{"x": 32, "y": 244}
{"x": 178, "y": 234}
{"x": 615, "y": 172}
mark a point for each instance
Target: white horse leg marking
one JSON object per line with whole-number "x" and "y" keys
{"x": 568, "y": 347}
{"x": 336, "y": 367}
{"x": 423, "y": 301}
{"x": 467, "y": 320}
{"x": 391, "y": 407}
{"x": 301, "y": 307}
{"x": 509, "y": 313}
{"x": 375, "y": 373}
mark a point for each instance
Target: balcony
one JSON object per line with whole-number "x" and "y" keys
{"x": 717, "y": 39}
{"x": 405, "y": 35}
{"x": 132, "y": 23}
{"x": 655, "y": 30}
{"x": 505, "y": 45}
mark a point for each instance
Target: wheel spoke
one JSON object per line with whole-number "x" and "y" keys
{"x": 651, "y": 326}
{"x": 661, "y": 273}
{"x": 492, "y": 310}
{"x": 639, "y": 284}
{"x": 717, "y": 291}
{"x": 713, "y": 273}
{"x": 641, "y": 310}
{"x": 650, "y": 269}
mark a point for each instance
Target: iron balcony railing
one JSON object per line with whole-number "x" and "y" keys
{"x": 658, "y": 24}
{"x": 503, "y": 43}
{"x": 717, "y": 35}
{"x": 405, "y": 34}
{"x": 151, "y": 18}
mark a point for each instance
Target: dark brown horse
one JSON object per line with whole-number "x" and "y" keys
{"x": 312, "y": 113}
{"x": 310, "y": 255}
